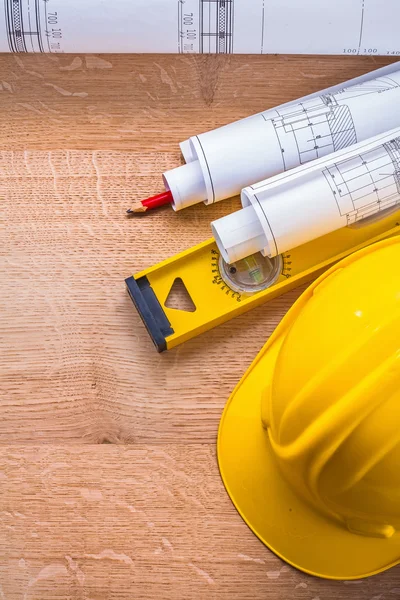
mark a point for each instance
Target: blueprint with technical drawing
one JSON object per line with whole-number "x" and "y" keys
{"x": 277, "y": 140}
{"x": 367, "y": 182}
{"x": 335, "y": 191}
{"x": 324, "y": 124}
{"x": 348, "y": 27}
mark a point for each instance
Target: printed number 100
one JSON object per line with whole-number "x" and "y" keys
{"x": 356, "y": 51}
{"x": 188, "y": 20}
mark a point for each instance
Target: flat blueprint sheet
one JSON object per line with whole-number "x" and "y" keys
{"x": 367, "y": 27}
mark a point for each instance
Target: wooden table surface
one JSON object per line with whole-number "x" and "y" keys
{"x": 110, "y": 486}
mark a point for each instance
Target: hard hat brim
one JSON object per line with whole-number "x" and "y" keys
{"x": 283, "y": 522}
{"x": 295, "y": 531}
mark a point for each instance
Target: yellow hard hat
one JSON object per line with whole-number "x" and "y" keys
{"x": 309, "y": 442}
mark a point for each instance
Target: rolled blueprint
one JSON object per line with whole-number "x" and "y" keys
{"x": 367, "y": 27}
{"x": 293, "y": 208}
{"x": 223, "y": 161}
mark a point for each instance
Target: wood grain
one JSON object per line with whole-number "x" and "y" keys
{"x": 149, "y": 103}
{"x": 110, "y": 483}
{"x": 139, "y": 522}
{"x": 78, "y": 363}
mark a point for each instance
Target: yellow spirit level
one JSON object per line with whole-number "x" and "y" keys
{"x": 221, "y": 292}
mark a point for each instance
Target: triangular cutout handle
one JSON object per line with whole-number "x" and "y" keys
{"x": 179, "y": 298}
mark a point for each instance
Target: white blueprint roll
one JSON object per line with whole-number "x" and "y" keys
{"x": 347, "y": 27}
{"x": 241, "y": 153}
{"x": 293, "y": 208}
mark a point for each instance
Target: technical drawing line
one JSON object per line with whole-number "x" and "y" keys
{"x": 205, "y": 26}
{"x": 395, "y": 84}
{"x": 216, "y": 26}
{"x": 324, "y": 124}
{"x": 14, "y": 26}
{"x": 289, "y": 175}
{"x": 39, "y": 29}
{"x": 268, "y": 223}
{"x": 284, "y": 168}
{"x": 361, "y": 26}
{"x": 208, "y": 168}
{"x": 382, "y": 84}
{"x": 263, "y": 27}
{"x": 29, "y": 21}
{"x": 313, "y": 129}
{"x": 18, "y": 14}
{"x": 371, "y": 190}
